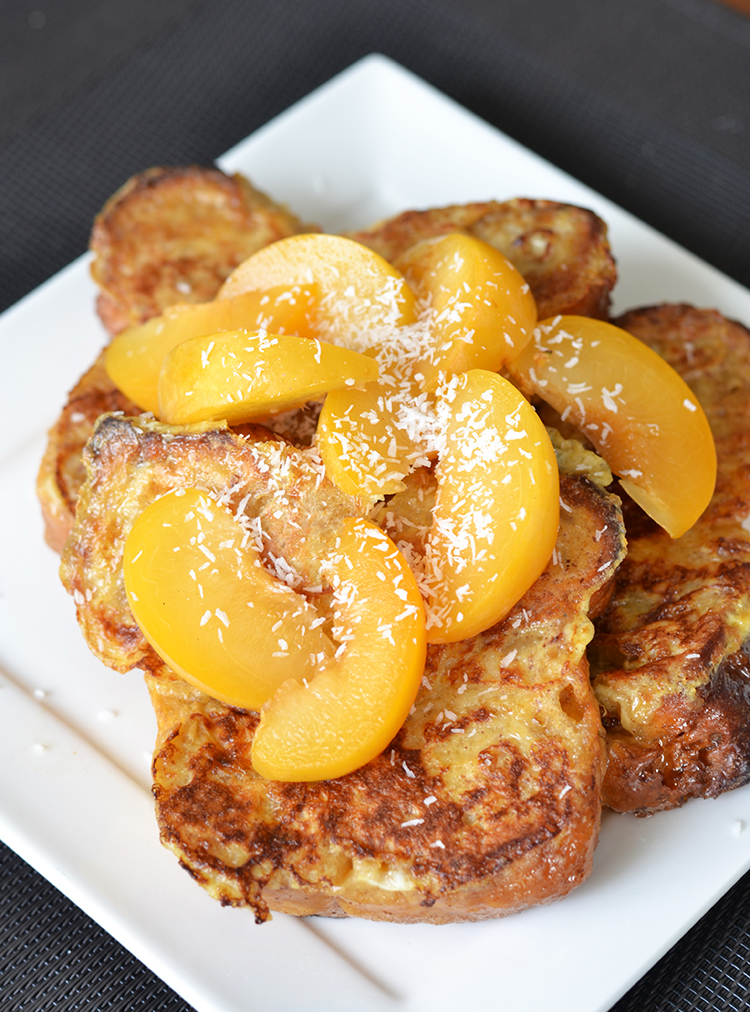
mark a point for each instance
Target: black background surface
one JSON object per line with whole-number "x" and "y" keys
{"x": 647, "y": 101}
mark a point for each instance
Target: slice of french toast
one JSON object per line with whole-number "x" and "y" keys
{"x": 130, "y": 462}
{"x": 168, "y": 235}
{"x": 561, "y": 250}
{"x": 488, "y": 799}
{"x": 61, "y": 472}
{"x": 670, "y": 657}
{"x": 174, "y": 234}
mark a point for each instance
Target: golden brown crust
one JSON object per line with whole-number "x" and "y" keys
{"x": 171, "y": 227}
{"x": 487, "y": 801}
{"x": 561, "y": 250}
{"x": 61, "y": 472}
{"x": 168, "y": 235}
{"x": 130, "y": 462}
{"x": 505, "y": 735}
{"x": 174, "y": 235}
{"x": 668, "y": 660}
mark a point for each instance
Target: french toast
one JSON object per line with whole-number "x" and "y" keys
{"x": 168, "y": 235}
{"x": 174, "y": 234}
{"x": 488, "y": 799}
{"x": 61, "y": 472}
{"x": 670, "y": 658}
{"x": 561, "y": 250}
{"x": 132, "y": 461}
{"x": 152, "y": 249}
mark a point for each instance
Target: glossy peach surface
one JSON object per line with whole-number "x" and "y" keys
{"x": 483, "y": 310}
{"x": 208, "y": 607}
{"x": 364, "y": 449}
{"x": 477, "y": 312}
{"x": 637, "y": 411}
{"x": 134, "y": 358}
{"x": 352, "y": 708}
{"x": 359, "y": 290}
{"x": 243, "y": 377}
{"x": 497, "y": 508}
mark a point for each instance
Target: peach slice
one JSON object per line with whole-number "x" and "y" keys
{"x": 244, "y": 377}
{"x": 480, "y": 313}
{"x": 349, "y": 712}
{"x": 496, "y": 511}
{"x": 364, "y": 449}
{"x": 208, "y": 607}
{"x": 371, "y": 438}
{"x": 359, "y": 290}
{"x": 637, "y": 411}
{"x": 483, "y": 310}
{"x": 134, "y": 358}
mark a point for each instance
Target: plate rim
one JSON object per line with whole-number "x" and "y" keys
{"x": 368, "y": 75}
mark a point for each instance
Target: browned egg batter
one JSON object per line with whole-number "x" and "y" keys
{"x": 488, "y": 799}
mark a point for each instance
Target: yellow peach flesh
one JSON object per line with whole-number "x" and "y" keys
{"x": 359, "y": 290}
{"x": 245, "y": 377}
{"x": 210, "y": 609}
{"x": 363, "y": 450}
{"x": 637, "y": 411}
{"x": 134, "y": 358}
{"x": 352, "y": 708}
{"x": 483, "y": 310}
{"x": 496, "y": 512}
{"x": 479, "y": 313}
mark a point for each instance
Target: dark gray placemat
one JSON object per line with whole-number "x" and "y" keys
{"x": 645, "y": 100}
{"x": 230, "y": 66}
{"x": 52, "y": 956}
{"x": 47, "y": 55}
{"x": 706, "y": 971}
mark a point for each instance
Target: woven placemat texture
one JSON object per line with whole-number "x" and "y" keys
{"x": 645, "y": 100}
{"x": 47, "y": 55}
{"x": 706, "y": 971}
{"x": 52, "y": 956}
{"x": 563, "y": 88}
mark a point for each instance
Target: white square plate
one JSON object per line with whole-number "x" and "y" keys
{"x": 76, "y": 742}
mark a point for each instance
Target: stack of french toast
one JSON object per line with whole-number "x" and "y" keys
{"x": 621, "y": 678}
